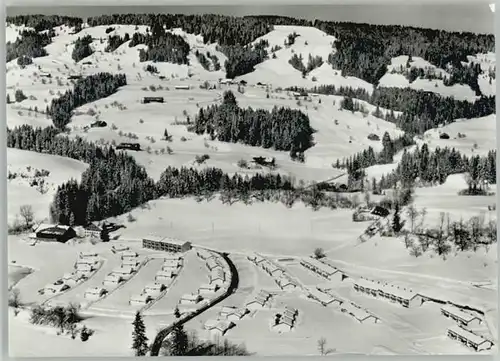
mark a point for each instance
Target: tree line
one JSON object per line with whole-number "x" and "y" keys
{"x": 44, "y": 22}
{"x": 281, "y": 128}
{"x": 29, "y": 45}
{"x": 115, "y": 41}
{"x": 86, "y": 90}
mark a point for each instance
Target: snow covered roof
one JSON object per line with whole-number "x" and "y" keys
{"x": 130, "y": 262}
{"x": 88, "y": 254}
{"x": 283, "y": 281}
{"x": 239, "y": 312}
{"x": 112, "y": 277}
{"x": 95, "y": 290}
{"x": 356, "y": 311}
{"x": 170, "y": 263}
{"x": 213, "y": 263}
{"x": 191, "y": 297}
{"x": 120, "y": 248}
{"x": 259, "y": 300}
{"x": 217, "y": 274}
{"x": 129, "y": 253}
{"x": 286, "y": 321}
{"x": 264, "y": 294}
{"x": 83, "y": 266}
{"x": 88, "y": 260}
{"x": 161, "y": 239}
{"x": 205, "y": 254}
{"x": 397, "y": 291}
{"x": 172, "y": 257}
{"x": 319, "y": 265}
{"x": 321, "y": 296}
{"x": 472, "y": 337}
{"x": 123, "y": 270}
{"x": 167, "y": 274}
{"x": 140, "y": 298}
{"x": 467, "y": 317}
{"x": 208, "y": 286}
{"x": 154, "y": 286}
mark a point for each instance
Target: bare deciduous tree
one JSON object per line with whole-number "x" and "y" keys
{"x": 26, "y": 212}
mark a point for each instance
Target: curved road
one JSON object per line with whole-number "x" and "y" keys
{"x": 163, "y": 333}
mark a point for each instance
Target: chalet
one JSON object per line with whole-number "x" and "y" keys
{"x": 237, "y": 314}
{"x": 71, "y": 279}
{"x": 318, "y": 267}
{"x": 204, "y": 254}
{"x": 127, "y": 254}
{"x": 264, "y": 161}
{"x": 119, "y": 248}
{"x": 142, "y": 299}
{"x": 191, "y": 299}
{"x": 182, "y": 87}
{"x": 359, "y": 314}
{"x": 94, "y": 293}
{"x": 164, "y": 276}
{"x": 154, "y": 289}
{"x": 112, "y": 280}
{"x": 217, "y": 277}
{"x": 404, "y": 297}
{"x": 218, "y": 327}
{"x": 129, "y": 146}
{"x": 208, "y": 288}
{"x": 468, "y": 338}
{"x": 125, "y": 272}
{"x": 166, "y": 244}
{"x": 147, "y": 100}
{"x": 55, "y": 233}
{"x": 171, "y": 265}
{"x": 462, "y": 317}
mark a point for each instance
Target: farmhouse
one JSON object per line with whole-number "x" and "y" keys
{"x": 190, "y": 299}
{"x": 142, "y": 299}
{"x": 318, "y": 267}
{"x": 147, "y": 100}
{"x": 208, "y": 288}
{"x": 94, "y": 293}
{"x": 237, "y": 314}
{"x": 154, "y": 289}
{"x": 129, "y": 146}
{"x": 469, "y": 339}
{"x": 93, "y": 231}
{"x": 164, "y": 276}
{"x": 204, "y": 254}
{"x": 55, "y": 233}
{"x": 217, "y": 276}
{"x": 406, "y": 298}
{"x": 463, "y": 318}
{"x": 124, "y": 272}
{"x": 166, "y": 244}
{"x": 112, "y": 280}
{"x": 182, "y": 87}
{"x": 219, "y": 327}
{"x": 358, "y": 313}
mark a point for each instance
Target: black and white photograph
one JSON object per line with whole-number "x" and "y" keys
{"x": 269, "y": 180}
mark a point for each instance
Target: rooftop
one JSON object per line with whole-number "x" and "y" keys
{"x": 123, "y": 270}
{"x": 168, "y": 240}
{"x": 356, "y": 311}
{"x": 397, "y": 291}
{"x": 467, "y": 334}
{"x": 319, "y": 265}
{"x": 321, "y": 296}
{"x": 95, "y": 290}
{"x": 458, "y": 312}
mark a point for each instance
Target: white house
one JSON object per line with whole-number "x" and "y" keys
{"x": 129, "y": 254}
{"x": 469, "y": 339}
{"x": 190, "y": 299}
{"x": 285, "y": 283}
{"x": 173, "y": 257}
{"x": 165, "y": 276}
{"x": 71, "y": 279}
{"x": 290, "y": 313}
{"x": 173, "y": 265}
{"x": 237, "y": 314}
{"x": 112, "y": 280}
{"x": 257, "y": 303}
{"x": 94, "y": 293}
{"x": 154, "y": 289}
{"x": 217, "y": 277}
{"x": 225, "y": 310}
{"x": 208, "y": 288}
{"x": 83, "y": 268}
{"x": 462, "y": 317}
{"x": 322, "y": 297}
{"x": 142, "y": 299}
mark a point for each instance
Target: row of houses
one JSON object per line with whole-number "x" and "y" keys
{"x": 280, "y": 277}
{"x": 285, "y": 321}
{"x": 323, "y": 269}
{"x": 463, "y": 318}
{"x": 323, "y": 297}
{"x": 359, "y": 314}
{"x": 403, "y": 296}
{"x": 469, "y": 339}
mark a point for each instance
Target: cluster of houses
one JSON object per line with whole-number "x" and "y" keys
{"x": 232, "y": 313}
{"x": 403, "y": 296}
{"x": 285, "y": 321}
{"x": 219, "y": 274}
{"x": 261, "y": 300}
{"x": 280, "y": 277}
{"x": 323, "y": 268}
{"x": 461, "y": 331}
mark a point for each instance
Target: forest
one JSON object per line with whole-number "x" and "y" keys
{"x": 243, "y": 59}
{"x": 115, "y": 41}
{"x": 44, "y": 22}
{"x": 282, "y": 128}
{"x": 30, "y": 44}
{"x": 82, "y": 48}
{"x": 86, "y": 90}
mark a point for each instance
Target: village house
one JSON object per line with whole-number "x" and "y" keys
{"x": 213, "y": 263}
{"x": 318, "y": 267}
{"x": 468, "y": 338}
{"x": 291, "y": 313}
{"x": 166, "y": 244}
{"x": 112, "y": 280}
{"x": 190, "y": 299}
{"x": 154, "y": 289}
{"x": 237, "y": 314}
{"x": 463, "y": 318}
{"x": 71, "y": 279}
{"x": 204, "y": 254}
{"x": 259, "y": 301}
{"x": 404, "y": 297}
{"x": 166, "y": 276}
{"x": 94, "y": 293}
{"x": 125, "y": 272}
{"x": 208, "y": 288}
{"x": 217, "y": 277}
{"x": 141, "y": 300}
{"x": 218, "y": 327}
{"x": 359, "y": 314}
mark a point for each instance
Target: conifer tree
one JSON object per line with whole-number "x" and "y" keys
{"x": 140, "y": 341}
{"x": 179, "y": 341}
